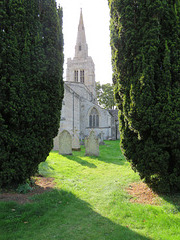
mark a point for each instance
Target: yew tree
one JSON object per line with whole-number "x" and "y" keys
{"x": 145, "y": 42}
{"x": 31, "y": 85}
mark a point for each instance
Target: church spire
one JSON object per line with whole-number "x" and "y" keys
{"x": 81, "y": 48}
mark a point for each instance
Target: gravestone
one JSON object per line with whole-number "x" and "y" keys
{"x": 81, "y": 138}
{"x": 75, "y": 142}
{"x": 92, "y": 145}
{"x": 101, "y": 140}
{"x": 65, "y": 143}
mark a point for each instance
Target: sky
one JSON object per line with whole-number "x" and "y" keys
{"x": 96, "y": 22}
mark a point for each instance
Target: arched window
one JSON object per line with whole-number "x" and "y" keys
{"x": 94, "y": 118}
{"x": 76, "y": 75}
{"x": 82, "y": 76}
{"x": 90, "y": 120}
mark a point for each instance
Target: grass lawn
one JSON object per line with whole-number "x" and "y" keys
{"x": 90, "y": 202}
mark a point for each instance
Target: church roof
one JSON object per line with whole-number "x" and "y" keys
{"x": 114, "y": 113}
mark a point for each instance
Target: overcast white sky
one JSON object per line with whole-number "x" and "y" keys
{"x": 96, "y": 21}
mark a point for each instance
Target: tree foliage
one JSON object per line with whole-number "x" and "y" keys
{"x": 105, "y": 95}
{"x": 145, "y": 42}
{"x": 31, "y": 83}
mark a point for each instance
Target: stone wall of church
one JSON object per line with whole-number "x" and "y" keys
{"x": 70, "y": 114}
{"x": 104, "y": 119}
{"x": 75, "y": 114}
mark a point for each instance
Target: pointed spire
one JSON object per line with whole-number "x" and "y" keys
{"x": 81, "y": 23}
{"x": 81, "y": 48}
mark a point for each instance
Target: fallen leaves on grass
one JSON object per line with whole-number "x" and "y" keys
{"x": 142, "y": 194}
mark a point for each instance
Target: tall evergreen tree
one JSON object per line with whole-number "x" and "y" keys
{"x": 31, "y": 85}
{"x": 145, "y": 42}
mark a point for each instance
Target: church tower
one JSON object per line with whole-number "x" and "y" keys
{"x": 81, "y": 68}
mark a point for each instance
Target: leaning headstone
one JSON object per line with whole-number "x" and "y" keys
{"x": 75, "y": 142}
{"x": 101, "y": 141}
{"x": 65, "y": 143}
{"x": 92, "y": 145}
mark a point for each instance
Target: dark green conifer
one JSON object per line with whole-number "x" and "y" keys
{"x": 31, "y": 83}
{"x": 145, "y": 41}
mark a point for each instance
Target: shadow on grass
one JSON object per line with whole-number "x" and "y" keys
{"x": 82, "y": 162}
{"x": 59, "y": 215}
{"x": 112, "y": 160}
{"x": 107, "y": 153}
{"x": 173, "y": 199}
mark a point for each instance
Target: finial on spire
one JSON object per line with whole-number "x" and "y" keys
{"x": 80, "y": 12}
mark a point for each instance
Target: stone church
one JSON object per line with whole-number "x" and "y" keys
{"x": 80, "y": 110}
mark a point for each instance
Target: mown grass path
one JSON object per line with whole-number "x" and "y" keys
{"x": 90, "y": 203}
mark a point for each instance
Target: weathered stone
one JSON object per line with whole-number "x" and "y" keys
{"x": 92, "y": 145}
{"x": 75, "y": 142}
{"x": 65, "y": 143}
{"x": 81, "y": 138}
{"x": 101, "y": 140}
